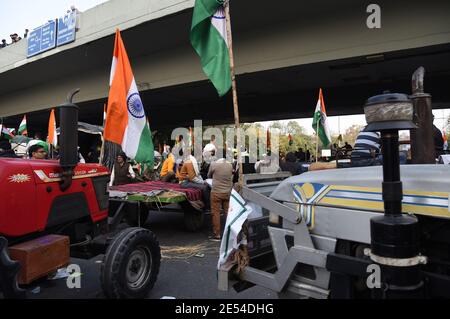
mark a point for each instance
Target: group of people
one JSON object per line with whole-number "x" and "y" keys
{"x": 214, "y": 177}
{"x": 14, "y": 39}
{"x": 35, "y": 149}
{"x": 367, "y": 150}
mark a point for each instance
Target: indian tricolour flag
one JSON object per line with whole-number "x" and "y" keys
{"x": 52, "y": 136}
{"x": 5, "y": 132}
{"x": 126, "y": 123}
{"x": 320, "y": 123}
{"x": 209, "y": 39}
{"x": 23, "y": 126}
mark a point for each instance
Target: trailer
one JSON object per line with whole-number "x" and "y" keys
{"x": 134, "y": 202}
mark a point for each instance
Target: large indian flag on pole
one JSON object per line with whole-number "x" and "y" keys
{"x": 52, "y": 137}
{"x": 23, "y": 126}
{"x": 320, "y": 123}
{"x": 209, "y": 39}
{"x": 126, "y": 123}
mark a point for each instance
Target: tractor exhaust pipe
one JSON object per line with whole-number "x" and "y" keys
{"x": 68, "y": 140}
{"x": 422, "y": 142}
{"x": 395, "y": 246}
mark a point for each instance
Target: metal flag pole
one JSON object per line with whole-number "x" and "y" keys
{"x": 234, "y": 89}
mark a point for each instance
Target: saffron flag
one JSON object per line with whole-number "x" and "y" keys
{"x": 209, "y": 39}
{"x": 23, "y": 126}
{"x": 126, "y": 123}
{"x": 320, "y": 123}
{"x": 52, "y": 139}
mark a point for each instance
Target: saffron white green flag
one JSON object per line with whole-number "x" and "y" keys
{"x": 209, "y": 39}
{"x": 23, "y": 126}
{"x": 320, "y": 122}
{"x": 126, "y": 123}
{"x": 5, "y": 132}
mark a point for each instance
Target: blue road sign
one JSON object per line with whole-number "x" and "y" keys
{"x": 42, "y": 39}
{"x": 48, "y": 39}
{"x": 34, "y": 42}
{"x": 67, "y": 28}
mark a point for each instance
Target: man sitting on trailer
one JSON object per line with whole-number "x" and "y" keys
{"x": 167, "y": 171}
{"x": 189, "y": 176}
{"x": 122, "y": 172}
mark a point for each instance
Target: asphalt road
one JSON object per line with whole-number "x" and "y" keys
{"x": 181, "y": 276}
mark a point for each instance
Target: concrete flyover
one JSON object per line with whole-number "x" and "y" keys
{"x": 284, "y": 52}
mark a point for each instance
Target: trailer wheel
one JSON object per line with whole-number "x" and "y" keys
{"x": 131, "y": 264}
{"x": 193, "y": 220}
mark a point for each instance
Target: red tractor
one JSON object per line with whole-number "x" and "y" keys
{"x": 43, "y": 197}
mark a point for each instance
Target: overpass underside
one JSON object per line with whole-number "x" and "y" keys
{"x": 284, "y": 52}
{"x": 287, "y": 92}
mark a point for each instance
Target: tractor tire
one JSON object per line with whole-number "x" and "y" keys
{"x": 131, "y": 264}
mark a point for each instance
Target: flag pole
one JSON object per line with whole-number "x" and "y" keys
{"x": 317, "y": 142}
{"x": 234, "y": 89}
{"x": 102, "y": 149}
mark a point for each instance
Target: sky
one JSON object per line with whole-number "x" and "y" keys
{"x": 18, "y": 15}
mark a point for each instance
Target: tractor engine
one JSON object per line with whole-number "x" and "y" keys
{"x": 33, "y": 202}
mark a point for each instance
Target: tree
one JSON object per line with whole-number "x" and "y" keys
{"x": 352, "y": 133}
{"x": 279, "y": 126}
{"x": 294, "y": 128}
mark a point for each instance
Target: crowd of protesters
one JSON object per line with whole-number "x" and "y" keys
{"x": 14, "y": 39}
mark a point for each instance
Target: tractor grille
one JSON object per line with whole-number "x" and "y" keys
{"x": 100, "y": 185}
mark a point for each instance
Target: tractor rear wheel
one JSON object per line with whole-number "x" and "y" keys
{"x": 131, "y": 264}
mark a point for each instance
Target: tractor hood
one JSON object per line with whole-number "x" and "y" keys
{"x": 426, "y": 189}
{"x": 50, "y": 171}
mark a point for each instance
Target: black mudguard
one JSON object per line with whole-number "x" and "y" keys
{"x": 9, "y": 270}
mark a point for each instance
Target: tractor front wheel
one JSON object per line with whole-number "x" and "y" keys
{"x": 131, "y": 264}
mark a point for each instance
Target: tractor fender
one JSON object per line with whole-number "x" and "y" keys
{"x": 9, "y": 270}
